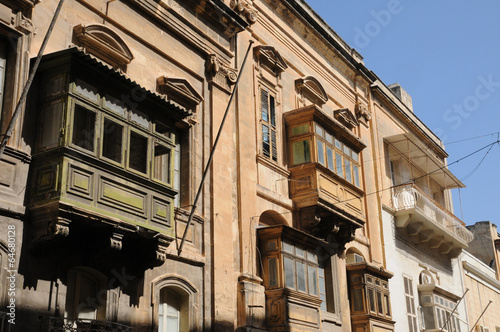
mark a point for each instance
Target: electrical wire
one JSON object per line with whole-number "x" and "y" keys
{"x": 472, "y": 138}
{"x": 476, "y": 168}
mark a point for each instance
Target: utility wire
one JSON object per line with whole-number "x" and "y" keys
{"x": 475, "y": 168}
{"x": 471, "y": 138}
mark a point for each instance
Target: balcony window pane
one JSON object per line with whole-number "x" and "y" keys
{"x": 329, "y": 138}
{"x": 84, "y": 128}
{"x": 312, "y": 279}
{"x": 162, "y": 163}
{"x": 347, "y": 151}
{"x": 300, "y": 129}
{"x": 115, "y": 105}
{"x": 51, "y": 126}
{"x": 322, "y": 288}
{"x": 287, "y": 247}
{"x": 354, "y": 155}
{"x": 86, "y": 90}
{"x": 347, "y": 166}
{"x": 138, "y": 152}
{"x": 321, "y": 152}
{"x": 162, "y": 129}
{"x": 273, "y": 272}
{"x": 338, "y": 144}
{"x": 355, "y": 171}
{"x": 289, "y": 273}
{"x": 112, "y": 140}
{"x": 301, "y": 152}
{"x": 301, "y": 277}
{"x": 329, "y": 155}
{"x": 140, "y": 118}
{"x": 371, "y": 295}
{"x": 338, "y": 163}
{"x": 379, "y": 303}
{"x": 319, "y": 130}
{"x": 299, "y": 252}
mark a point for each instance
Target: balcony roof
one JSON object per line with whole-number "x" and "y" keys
{"x": 419, "y": 155}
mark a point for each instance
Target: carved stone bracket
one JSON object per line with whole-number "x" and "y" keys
{"x": 23, "y": 23}
{"x": 161, "y": 250}
{"x": 246, "y": 9}
{"x": 362, "y": 113}
{"x": 219, "y": 73}
{"x": 116, "y": 241}
{"x": 58, "y": 228}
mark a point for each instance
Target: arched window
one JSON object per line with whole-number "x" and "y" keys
{"x": 173, "y": 303}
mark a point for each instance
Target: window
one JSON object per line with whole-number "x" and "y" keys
{"x": 337, "y": 156}
{"x": 112, "y": 140}
{"x": 174, "y": 300}
{"x": 437, "y": 309}
{"x": 410, "y": 305}
{"x": 169, "y": 312}
{"x": 84, "y": 122}
{"x": 3, "y": 67}
{"x": 268, "y": 125}
{"x": 138, "y": 152}
{"x": 301, "y": 269}
{"x": 369, "y": 292}
{"x": 87, "y": 295}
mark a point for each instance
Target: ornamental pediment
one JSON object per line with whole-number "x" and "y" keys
{"x": 346, "y": 117}
{"x": 269, "y": 57}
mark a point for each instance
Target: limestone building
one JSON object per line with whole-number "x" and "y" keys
{"x": 320, "y": 178}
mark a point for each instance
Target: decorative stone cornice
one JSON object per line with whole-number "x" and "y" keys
{"x": 246, "y": 9}
{"x": 219, "y": 73}
{"x": 104, "y": 43}
{"x": 310, "y": 88}
{"x": 345, "y": 117}
{"x": 269, "y": 57}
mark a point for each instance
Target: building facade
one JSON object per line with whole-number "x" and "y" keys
{"x": 325, "y": 207}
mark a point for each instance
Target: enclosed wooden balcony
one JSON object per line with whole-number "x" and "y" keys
{"x": 429, "y": 222}
{"x": 59, "y": 324}
{"x": 325, "y": 168}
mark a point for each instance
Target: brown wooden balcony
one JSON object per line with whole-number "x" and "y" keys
{"x": 428, "y": 221}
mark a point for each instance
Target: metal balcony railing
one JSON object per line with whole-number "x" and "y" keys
{"x": 59, "y": 324}
{"x": 409, "y": 196}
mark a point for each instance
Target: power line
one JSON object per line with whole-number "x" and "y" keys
{"x": 475, "y": 168}
{"x": 472, "y": 138}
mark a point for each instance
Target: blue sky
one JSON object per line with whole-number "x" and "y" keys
{"x": 446, "y": 55}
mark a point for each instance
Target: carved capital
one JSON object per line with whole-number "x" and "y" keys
{"x": 219, "y": 73}
{"x": 245, "y": 9}
{"x": 23, "y": 23}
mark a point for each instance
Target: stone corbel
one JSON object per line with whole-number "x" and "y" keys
{"x": 362, "y": 113}
{"x": 58, "y": 228}
{"x": 23, "y": 23}
{"x": 245, "y": 8}
{"x": 161, "y": 251}
{"x": 219, "y": 73}
{"x": 116, "y": 241}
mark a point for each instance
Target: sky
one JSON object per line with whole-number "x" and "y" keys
{"x": 446, "y": 55}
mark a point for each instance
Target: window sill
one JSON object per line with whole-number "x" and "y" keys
{"x": 273, "y": 165}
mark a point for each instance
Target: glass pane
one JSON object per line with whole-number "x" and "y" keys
{"x": 272, "y": 111}
{"x": 274, "y": 145}
{"x": 319, "y": 130}
{"x": 138, "y": 152}
{"x": 312, "y": 279}
{"x": 300, "y": 129}
{"x": 405, "y": 284}
{"x": 347, "y": 151}
{"x": 287, "y": 247}
{"x": 355, "y": 171}
{"x": 347, "y": 165}
{"x": 266, "y": 145}
{"x": 322, "y": 288}
{"x": 84, "y": 128}
{"x": 387, "y": 305}
{"x": 162, "y": 129}
{"x": 273, "y": 272}
{"x": 301, "y": 277}
{"x": 338, "y": 144}
{"x": 86, "y": 90}
{"x": 300, "y": 152}
{"x": 112, "y": 140}
{"x": 413, "y": 311}
{"x": 338, "y": 163}
{"x": 177, "y": 168}
{"x": 289, "y": 273}
{"x": 51, "y": 126}
{"x": 264, "y": 105}
{"x": 408, "y": 305}
{"x": 321, "y": 152}
{"x": 371, "y": 295}
{"x": 329, "y": 154}
{"x": 329, "y": 138}
{"x": 115, "y": 105}
{"x": 312, "y": 256}
{"x": 139, "y": 118}
{"x": 162, "y": 163}
{"x": 410, "y": 324}
{"x": 354, "y": 156}
{"x": 299, "y": 252}
{"x": 379, "y": 303}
